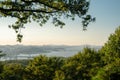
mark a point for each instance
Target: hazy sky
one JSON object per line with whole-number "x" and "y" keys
{"x": 107, "y": 13}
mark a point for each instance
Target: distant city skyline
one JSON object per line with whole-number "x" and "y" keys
{"x": 107, "y": 13}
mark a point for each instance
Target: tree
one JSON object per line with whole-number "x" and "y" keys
{"x": 59, "y": 75}
{"x": 41, "y": 11}
{"x": 82, "y": 66}
{"x": 111, "y": 49}
{"x": 109, "y": 72}
{"x": 43, "y": 68}
{"x": 110, "y": 56}
{"x": 12, "y": 71}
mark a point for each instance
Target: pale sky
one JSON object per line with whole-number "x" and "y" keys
{"x": 107, "y": 13}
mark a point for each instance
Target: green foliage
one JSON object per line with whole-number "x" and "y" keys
{"x": 80, "y": 66}
{"x": 59, "y": 75}
{"x": 43, "y": 68}
{"x": 40, "y": 11}
{"x": 1, "y": 68}
{"x": 86, "y": 65}
{"x": 111, "y": 49}
{"x": 109, "y": 72}
{"x": 12, "y": 72}
{"x": 110, "y": 56}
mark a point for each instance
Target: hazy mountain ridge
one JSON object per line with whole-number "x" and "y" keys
{"x": 15, "y": 51}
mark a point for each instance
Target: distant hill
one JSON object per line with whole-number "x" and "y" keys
{"x": 22, "y": 51}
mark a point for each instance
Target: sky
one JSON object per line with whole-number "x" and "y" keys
{"x": 107, "y": 13}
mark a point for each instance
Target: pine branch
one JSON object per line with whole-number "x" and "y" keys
{"x": 26, "y": 10}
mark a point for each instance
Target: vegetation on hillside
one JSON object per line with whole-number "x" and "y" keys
{"x": 88, "y": 64}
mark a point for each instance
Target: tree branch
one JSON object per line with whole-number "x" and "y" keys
{"x": 46, "y": 4}
{"x": 26, "y": 10}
